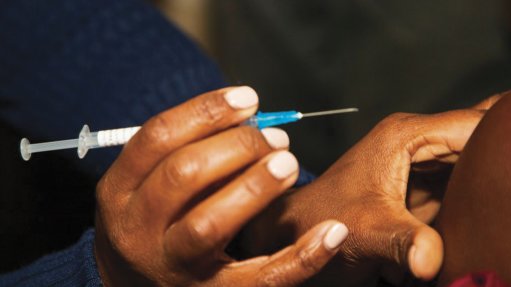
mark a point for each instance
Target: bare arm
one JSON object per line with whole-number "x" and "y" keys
{"x": 475, "y": 217}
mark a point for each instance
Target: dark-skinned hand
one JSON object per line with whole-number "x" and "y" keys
{"x": 367, "y": 190}
{"x": 185, "y": 184}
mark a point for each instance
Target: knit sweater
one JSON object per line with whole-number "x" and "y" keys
{"x": 75, "y": 266}
{"x": 107, "y": 64}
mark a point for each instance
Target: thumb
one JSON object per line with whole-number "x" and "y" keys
{"x": 412, "y": 245}
{"x": 425, "y": 255}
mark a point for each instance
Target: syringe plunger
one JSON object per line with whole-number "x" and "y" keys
{"x": 86, "y": 140}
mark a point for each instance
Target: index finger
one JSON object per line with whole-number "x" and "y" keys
{"x": 486, "y": 104}
{"x": 169, "y": 130}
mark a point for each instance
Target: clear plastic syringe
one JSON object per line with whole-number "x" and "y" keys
{"x": 88, "y": 140}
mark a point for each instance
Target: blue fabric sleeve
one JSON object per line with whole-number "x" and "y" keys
{"x": 108, "y": 64}
{"x": 304, "y": 177}
{"x": 75, "y": 266}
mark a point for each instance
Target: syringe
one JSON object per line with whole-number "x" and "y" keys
{"x": 88, "y": 140}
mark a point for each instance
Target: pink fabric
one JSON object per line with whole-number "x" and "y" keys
{"x": 480, "y": 279}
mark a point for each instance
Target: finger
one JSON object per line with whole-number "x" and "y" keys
{"x": 208, "y": 227}
{"x": 169, "y": 130}
{"x": 299, "y": 262}
{"x": 184, "y": 174}
{"x": 486, "y": 104}
{"x": 443, "y": 135}
{"x": 425, "y": 256}
{"x": 404, "y": 240}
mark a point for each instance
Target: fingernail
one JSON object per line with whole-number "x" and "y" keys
{"x": 276, "y": 138}
{"x": 335, "y": 236}
{"x": 241, "y": 98}
{"x": 282, "y": 165}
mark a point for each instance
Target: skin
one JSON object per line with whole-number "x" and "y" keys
{"x": 475, "y": 216}
{"x": 181, "y": 189}
{"x": 367, "y": 190}
{"x": 160, "y": 223}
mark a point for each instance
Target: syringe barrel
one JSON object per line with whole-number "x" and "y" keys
{"x": 89, "y": 140}
{"x": 114, "y": 137}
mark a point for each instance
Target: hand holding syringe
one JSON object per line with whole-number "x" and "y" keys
{"x": 89, "y": 140}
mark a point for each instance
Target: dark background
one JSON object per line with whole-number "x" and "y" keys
{"x": 382, "y": 56}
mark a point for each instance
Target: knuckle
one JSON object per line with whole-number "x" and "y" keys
{"x": 307, "y": 261}
{"x": 102, "y": 199}
{"x": 249, "y": 140}
{"x": 270, "y": 278}
{"x": 211, "y": 109}
{"x": 109, "y": 194}
{"x": 120, "y": 242}
{"x": 285, "y": 274}
{"x": 384, "y": 133}
{"x": 292, "y": 273}
{"x": 156, "y": 131}
{"x": 180, "y": 169}
{"x": 253, "y": 187}
{"x": 403, "y": 124}
{"x": 202, "y": 233}
{"x": 396, "y": 119}
{"x": 101, "y": 190}
{"x": 267, "y": 281}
